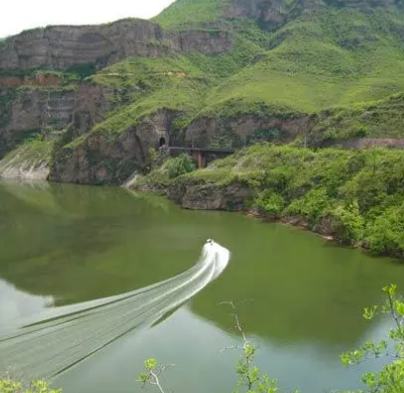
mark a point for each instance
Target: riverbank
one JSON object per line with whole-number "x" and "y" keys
{"x": 354, "y": 197}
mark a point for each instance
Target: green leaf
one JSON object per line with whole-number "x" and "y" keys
{"x": 369, "y": 312}
{"x": 151, "y": 364}
{"x": 390, "y": 289}
{"x": 399, "y": 307}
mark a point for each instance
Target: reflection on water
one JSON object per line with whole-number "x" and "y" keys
{"x": 300, "y": 297}
{"x": 16, "y": 305}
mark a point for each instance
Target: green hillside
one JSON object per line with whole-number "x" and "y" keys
{"x": 336, "y": 66}
{"x": 325, "y": 59}
{"x": 333, "y": 58}
{"x": 185, "y": 13}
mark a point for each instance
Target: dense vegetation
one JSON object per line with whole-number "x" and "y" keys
{"x": 330, "y": 58}
{"x": 355, "y": 196}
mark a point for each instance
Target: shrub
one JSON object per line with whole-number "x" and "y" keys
{"x": 390, "y": 379}
{"x": 312, "y": 206}
{"x": 179, "y": 166}
{"x": 270, "y": 204}
{"x": 348, "y": 223}
{"x": 39, "y": 386}
{"x": 386, "y": 234}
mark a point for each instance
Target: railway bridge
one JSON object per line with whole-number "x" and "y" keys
{"x": 201, "y": 155}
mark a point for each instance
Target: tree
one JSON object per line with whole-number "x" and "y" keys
{"x": 390, "y": 379}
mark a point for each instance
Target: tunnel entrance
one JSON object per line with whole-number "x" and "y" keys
{"x": 162, "y": 141}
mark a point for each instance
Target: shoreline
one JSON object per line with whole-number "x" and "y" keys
{"x": 318, "y": 229}
{"x": 292, "y": 222}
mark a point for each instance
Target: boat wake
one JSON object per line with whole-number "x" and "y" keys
{"x": 62, "y": 337}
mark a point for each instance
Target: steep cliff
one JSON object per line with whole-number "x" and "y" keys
{"x": 68, "y": 47}
{"x": 31, "y": 111}
{"x": 100, "y": 158}
{"x": 219, "y": 73}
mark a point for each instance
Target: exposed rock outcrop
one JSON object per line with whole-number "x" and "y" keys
{"x": 238, "y": 131}
{"x": 99, "y": 159}
{"x": 39, "y": 80}
{"x": 210, "y": 196}
{"x": 64, "y": 47}
{"x": 267, "y": 13}
{"x": 90, "y": 107}
{"x": 30, "y": 111}
{"x": 272, "y": 14}
{"x": 201, "y": 41}
{"x": 34, "y": 110}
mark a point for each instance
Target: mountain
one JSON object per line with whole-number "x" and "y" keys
{"x": 219, "y": 73}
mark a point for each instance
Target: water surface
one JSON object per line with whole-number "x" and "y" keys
{"x": 300, "y": 297}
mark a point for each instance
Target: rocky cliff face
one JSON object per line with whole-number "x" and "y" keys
{"x": 64, "y": 47}
{"x": 90, "y": 107}
{"x": 38, "y": 80}
{"x": 30, "y": 111}
{"x": 210, "y": 196}
{"x": 98, "y": 159}
{"x": 239, "y": 131}
{"x": 272, "y": 14}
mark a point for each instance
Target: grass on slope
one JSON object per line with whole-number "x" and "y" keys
{"x": 186, "y": 13}
{"x": 379, "y": 119}
{"x": 31, "y": 155}
{"x": 332, "y": 58}
{"x": 180, "y": 83}
{"x": 146, "y": 85}
{"x": 184, "y": 96}
{"x": 151, "y": 71}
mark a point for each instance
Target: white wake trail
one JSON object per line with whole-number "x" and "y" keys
{"x": 62, "y": 337}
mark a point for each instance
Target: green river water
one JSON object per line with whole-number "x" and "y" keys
{"x": 300, "y": 297}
